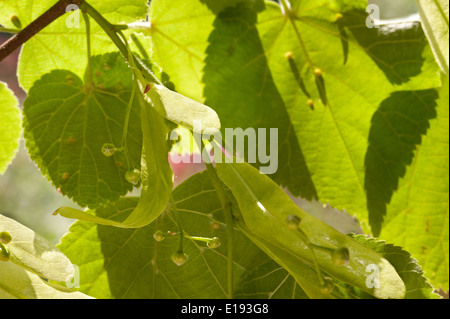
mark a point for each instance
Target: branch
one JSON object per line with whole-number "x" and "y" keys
{"x": 36, "y": 26}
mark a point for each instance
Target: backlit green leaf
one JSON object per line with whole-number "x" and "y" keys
{"x": 67, "y": 123}
{"x": 62, "y": 45}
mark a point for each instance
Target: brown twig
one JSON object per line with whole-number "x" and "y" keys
{"x": 34, "y": 27}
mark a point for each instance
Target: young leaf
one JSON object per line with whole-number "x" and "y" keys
{"x": 10, "y": 126}
{"x": 434, "y": 17}
{"x": 33, "y": 253}
{"x": 265, "y": 208}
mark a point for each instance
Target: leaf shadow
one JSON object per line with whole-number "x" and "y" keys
{"x": 240, "y": 88}
{"x": 396, "y": 132}
{"x": 396, "y": 48}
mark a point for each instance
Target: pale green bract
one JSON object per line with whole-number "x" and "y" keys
{"x": 10, "y": 124}
{"x": 434, "y": 16}
{"x": 265, "y": 207}
{"x": 184, "y": 111}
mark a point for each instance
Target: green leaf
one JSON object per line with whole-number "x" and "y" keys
{"x": 418, "y": 216}
{"x": 67, "y": 124}
{"x": 62, "y": 45}
{"x": 10, "y": 126}
{"x": 434, "y": 17}
{"x": 397, "y": 130}
{"x": 187, "y": 48}
{"x": 130, "y": 263}
{"x": 269, "y": 281}
{"x": 255, "y": 67}
{"x": 157, "y": 179}
{"x": 265, "y": 208}
{"x": 417, "y": 286}
{"x": 34, "y": 254}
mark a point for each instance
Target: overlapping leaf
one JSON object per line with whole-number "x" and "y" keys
{"x": 126, "y": 263}
{"x": 326, "y": 81}
{"x": 156, "y": 175}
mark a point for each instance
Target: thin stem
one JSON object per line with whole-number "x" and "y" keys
{"x": 226, "y": 207}
{"x": 111, "y": 30}
{"x": 56, "y": 11}
{"x": 88, "y": 40}
{"x": 126, "y": 125}
{"x": 289, "y": 14}
{"x": 178, "y": 220}
{"x": 129, "y": 107}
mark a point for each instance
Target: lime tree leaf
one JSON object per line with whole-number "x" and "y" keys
{"x": 35, "y": 254}
{"x": 67, "y": 123}
{"x": 130, "y": 263}
{"x": 156, "y": 175}
{"x": 265, "y": 207}
{"x": 434, "y": 17}
{"x": 18, "y": 283}
{"x": 269, "y": 281}
{"x": 418, "y": 217}
{"x": 10, "y": 126}
{"x": 417, "y": 286}
{"x": 62, "y": 45}
{"x": 188, "y": 48}
{"x": 318, "y": 77}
